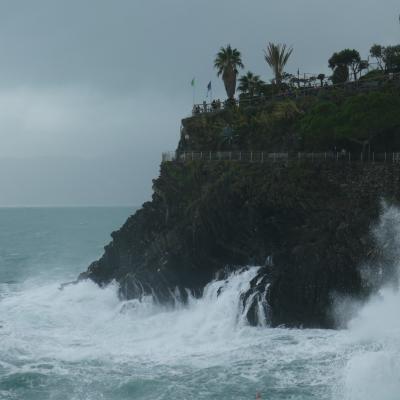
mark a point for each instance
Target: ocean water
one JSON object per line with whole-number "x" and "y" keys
{"x": 82, "y": 343}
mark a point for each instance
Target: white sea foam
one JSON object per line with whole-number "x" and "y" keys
{"x": 83, "y": 343}
{"x": 83, "y": 321}
{"x": 373, "y": 371}
{"x": 208, "y": 341}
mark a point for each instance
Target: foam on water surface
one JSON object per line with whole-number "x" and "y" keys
{"x": 84, "y": 334}
{"x": 83, "y": 343}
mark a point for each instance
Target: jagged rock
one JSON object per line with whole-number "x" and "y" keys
{"x": 313, "y": 219}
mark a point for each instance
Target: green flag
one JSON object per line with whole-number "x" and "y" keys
{"x": 192, "y": 83}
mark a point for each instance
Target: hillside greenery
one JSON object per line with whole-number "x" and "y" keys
{"x": 329, "y": 121}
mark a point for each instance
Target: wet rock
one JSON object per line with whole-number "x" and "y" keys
{"x": 312, "y": 220}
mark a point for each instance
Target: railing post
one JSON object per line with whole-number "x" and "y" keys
{"x": 210, "y": 156}
{"x": 230, "y": 156}
{"x": 274, "y": 157}
{"x": 192, "y": 155}
{"x": 240, "y": 156}
{"x": 325, "y": 156}
{"x": 262, "y": 156}
{"x": 201, "y": 156}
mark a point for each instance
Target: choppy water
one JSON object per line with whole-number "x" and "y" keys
{"x": 83, "y": 343}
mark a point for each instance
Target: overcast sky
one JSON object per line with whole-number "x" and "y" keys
{"x": 92, "y": 91}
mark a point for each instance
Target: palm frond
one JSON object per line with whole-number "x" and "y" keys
{"x": 277, "y": 56}
{"x": 227, "y": 62}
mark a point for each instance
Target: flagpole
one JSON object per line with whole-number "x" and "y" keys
{"x": 209, "y": 92}
{"x": 193, "y": 84}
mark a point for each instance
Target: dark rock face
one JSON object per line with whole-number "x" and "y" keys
{"x": 307, "y": 224}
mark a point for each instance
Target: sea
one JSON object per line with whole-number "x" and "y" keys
{"x": 83, "y": 343}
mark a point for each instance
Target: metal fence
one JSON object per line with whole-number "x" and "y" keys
{"x": 262, "y": 156}
{"x": 358, "y": 86}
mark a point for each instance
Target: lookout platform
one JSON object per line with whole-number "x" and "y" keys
{"x": 359, "y": 86}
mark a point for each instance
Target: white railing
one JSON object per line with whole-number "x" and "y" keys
{"x": 263, "y": 156}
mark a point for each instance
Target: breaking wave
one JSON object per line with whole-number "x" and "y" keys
{"x": 83, "y": 343}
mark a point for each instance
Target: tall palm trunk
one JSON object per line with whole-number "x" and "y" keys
{"x": 229, "y": 78}
{"x": 227, "y": 62}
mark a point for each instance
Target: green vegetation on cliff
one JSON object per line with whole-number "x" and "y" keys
{"x": 333, "y": 119}
{"x": 360, "y": 112}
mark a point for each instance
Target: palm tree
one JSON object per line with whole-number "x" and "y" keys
{"x": 250, "y": 84}
{"x": 227, "y": 62}
{"x": 277, "y": 56}
{"x": 321, "y": 78}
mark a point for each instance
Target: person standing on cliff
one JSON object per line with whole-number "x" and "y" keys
{"x": 258, "y": 396}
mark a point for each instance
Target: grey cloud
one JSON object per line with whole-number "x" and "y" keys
{"x": 99, "y": 80}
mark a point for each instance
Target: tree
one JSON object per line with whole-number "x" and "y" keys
{"x": 321, "y": 78}
{"x": 317, "y": 125}
{"x": 346, "y": 58}
{"x": 355, "y": 122}
{"x": 364, "y": 117}
{"x": 376, "y": 52}
{"x": 251, "y": 84}
{"x": 340, "y": 74}
{"x": 388, "y": 58}
{"x": 227, "y": 62}
{"x": 364, "y": 64}
{"x": 391, "y": 58}
{"x": 277, "y": 56}
{"x": 285, "y": 111}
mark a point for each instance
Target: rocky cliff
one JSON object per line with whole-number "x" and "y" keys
{"x": 307, "y": 224}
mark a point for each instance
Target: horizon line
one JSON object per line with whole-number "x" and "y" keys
{"x": 70, "y": 206}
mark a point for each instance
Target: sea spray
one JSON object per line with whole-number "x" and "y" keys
{"x": 91, "y": 316}
{"x": 373, "y": 372}
{"x": 83, "y": 343}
